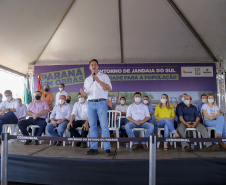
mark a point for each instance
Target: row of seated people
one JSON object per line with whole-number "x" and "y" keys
{"x": 142, "y": 115}
{"x": 137, "y": 114}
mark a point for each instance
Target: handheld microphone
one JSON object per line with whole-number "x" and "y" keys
{"x": 94, "y": 74}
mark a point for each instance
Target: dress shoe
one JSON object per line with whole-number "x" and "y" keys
{"x": 135, "y": 146}
{"x": 27, "y": 142}
{"x": 144, "y": 146}
{"x": 213, "y": 148}
{"x": 187, "y": 148}
{"x": 78, "y": 144}
{"x": 58, "y": 143}
{"x": 36, "y": 142}
{"x": 91, "y": 152}
{"x": 107, "y": 152}
{"x": 223, "y": 145}
{"x": 83, "y": 145}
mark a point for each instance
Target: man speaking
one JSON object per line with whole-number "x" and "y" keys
{"x": 96, "y": 88}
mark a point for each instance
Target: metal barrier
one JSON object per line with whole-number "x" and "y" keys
{"x": 152, "y": 148}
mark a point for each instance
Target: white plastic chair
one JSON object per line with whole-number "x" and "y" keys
{"x": 194, "y": 130}
{"x": 65, "y": 134}
{"x": 112, "y": 123}
{"x": 141, "y": 134}
{"x": 48, "y": 117}
{"x": 160, "y": 136}
{"x": 33, "y": 127}
{"x": 10, "y": 128}
{"x": 80, "y": 132}
{"x": 209, "y": 129}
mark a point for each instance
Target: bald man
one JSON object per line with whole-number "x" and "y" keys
{"x": 189, "y": 118}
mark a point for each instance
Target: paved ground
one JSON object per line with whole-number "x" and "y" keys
{"x": 69, "y": 151}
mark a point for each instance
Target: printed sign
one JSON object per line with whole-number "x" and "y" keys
{"x": 197, "y": 71}
{"x": 67, "y": 77}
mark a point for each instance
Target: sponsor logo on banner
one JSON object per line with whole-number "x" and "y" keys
{"x": 197, "y": 71}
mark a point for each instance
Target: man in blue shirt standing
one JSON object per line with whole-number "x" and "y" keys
{"x": 189, "y": 118}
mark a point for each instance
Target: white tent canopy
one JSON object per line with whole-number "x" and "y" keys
{"x": 51, "y": 32}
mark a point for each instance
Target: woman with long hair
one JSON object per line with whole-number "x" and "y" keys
{"x": 213, "y": 118}
{"x": 164, "y": 115}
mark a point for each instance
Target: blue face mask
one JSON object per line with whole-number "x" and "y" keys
{"x": 0, "y": 98}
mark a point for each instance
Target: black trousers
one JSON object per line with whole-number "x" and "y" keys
{"x": 77, "y": 124}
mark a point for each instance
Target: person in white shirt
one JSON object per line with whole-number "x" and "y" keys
{"x": 9, "y": 110}
{"x": 79, "y": 118}
{"x": 138, "y": 115}
{"x": 96, "y": 87}
{"x": 61, "y": 92}
{"x": 68, "y": 101}
{"x": 59, "y": 119}
{"x": 213, "y": 118}
{"x": 22, "y": 110}
{"x": 123, "y": 109}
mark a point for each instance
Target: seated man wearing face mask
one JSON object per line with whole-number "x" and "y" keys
{"x": 189, "y": 117}
{"x": 68, "y": 101}
{"x": 37, "y": 112}
{"x": 138, "y": 116}
{"x": 59, "y": 119}
{"x": 79, "y": 118}
{"x": 123, "y": 109}
{"x": 9, "y": 110}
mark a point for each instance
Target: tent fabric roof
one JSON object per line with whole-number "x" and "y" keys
{"x": 33, "y": 31}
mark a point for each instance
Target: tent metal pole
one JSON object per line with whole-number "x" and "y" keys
{"x": 12, "y": 71}
{"x": 192, "y": 29}
{"x": 120, "y": 30}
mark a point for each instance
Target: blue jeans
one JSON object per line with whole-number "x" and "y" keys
{"x": 219, "y": 124}
{"x": 153, "y": 120}
{"x": 168, "y": 126}
{"x": 60, "y": 129}
{"x": 146, "y": 125}
{"x": 98, "y": 108}
{"x": 123, "y": 121}
{"x": 8, "y": 118}
{"x": 23, "y": 124}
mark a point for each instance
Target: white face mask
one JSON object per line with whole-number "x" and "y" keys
{"x": 122, "y": 102}
{"x": 81, "y": 100}
{"x": 61, "y": 89}
{"x": 186, "y": 102}
{"x": 163, "y": 100}
{"x": 137, "y": 100}
{"x": 203, "y": 100}
{"x": 211, "y": 100}
{"x": 182, "y": 99}
{"x": 8, "y": 98}
{"x": 145, "y": 101}
{"x": 61, "y": 101}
